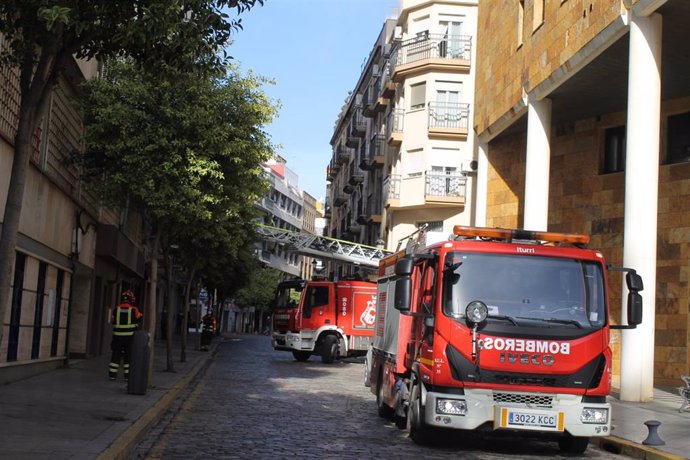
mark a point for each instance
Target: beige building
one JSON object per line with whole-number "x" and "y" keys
{"x": 582, "y": 116}
{"x": 72, "y": 258}
{"x": 402, "y": 145}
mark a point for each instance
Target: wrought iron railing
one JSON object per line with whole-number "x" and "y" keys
{"x": 454, "y": 115}
{"x": 391, "y": 187}
{"x": 445, "y": 184}
{"x": 432, "y": 46}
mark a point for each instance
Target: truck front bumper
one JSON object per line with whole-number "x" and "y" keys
{"x": 527, "y": 412}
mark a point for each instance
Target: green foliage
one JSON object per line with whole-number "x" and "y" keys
{"x": 259, "y": 289}
{"x": 181, "y": 33}
{"x": 182, "y": 149}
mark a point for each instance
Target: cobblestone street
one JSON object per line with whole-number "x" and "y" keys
{"x": 253, "y": 402}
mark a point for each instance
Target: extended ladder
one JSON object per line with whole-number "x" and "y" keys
{"x": 322, "y": 246}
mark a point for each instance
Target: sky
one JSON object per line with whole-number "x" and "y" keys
{"x": 314, "y": 50}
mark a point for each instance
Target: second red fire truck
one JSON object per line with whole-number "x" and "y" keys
{"x": 497, "y": 330}
{"x": 330, "y": 318}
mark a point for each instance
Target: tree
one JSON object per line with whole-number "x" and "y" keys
{"x": 182, "y": 149}
{"x": 259, "y": 289}
{"x": 43, "y": 35}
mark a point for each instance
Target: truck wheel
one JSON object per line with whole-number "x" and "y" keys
{"x": 573, "y": 444}
{"x": 384, "y": 410}
{"x": 419, "y": 431}
{"x": 329, "y": 350}
{"x": 367, "y": 372}
{"x": 301, "y": 356}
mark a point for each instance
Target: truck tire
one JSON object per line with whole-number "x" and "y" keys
{"x": 138, "y": 380}
{"x": 384, "y": 409}
{"x": 419, "y": 431}
{"x": 367, "y": 372}
{"x": 573, "y": 444}
{"x": 301, "y": 356}
{"x": 329, "y": 349}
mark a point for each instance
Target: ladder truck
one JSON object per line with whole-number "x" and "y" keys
{"x": 332, "y": 319}
{"x": 497, "y": 330}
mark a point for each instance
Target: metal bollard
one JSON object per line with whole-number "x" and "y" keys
{"x": 653, "y": 438}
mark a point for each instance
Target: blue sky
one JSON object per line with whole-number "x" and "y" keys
{"x": 314, "y": 50}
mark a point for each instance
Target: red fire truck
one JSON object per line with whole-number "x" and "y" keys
{"x": 330, "y": 318}
{"x": 497, "y": 330}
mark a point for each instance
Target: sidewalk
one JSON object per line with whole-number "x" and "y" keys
{"x": 76, "y": 413}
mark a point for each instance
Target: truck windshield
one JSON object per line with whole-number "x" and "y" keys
{"x": 526, "y": 290}
{"x": 287, "y": 296}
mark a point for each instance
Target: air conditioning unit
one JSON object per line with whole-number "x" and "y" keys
{"x": 398, "y": 33}
{"x": 468, "y": 166}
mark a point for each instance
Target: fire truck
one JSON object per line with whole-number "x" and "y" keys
{"x": 330, "y": 318}
{"x": 500, "y": 331}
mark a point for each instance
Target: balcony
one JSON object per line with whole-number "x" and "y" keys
{"x": 448, "y": 120}
{"x": 358, "y": 124}
{"x": 374, "y": 157}
{"x": 339, "y": 199}
{"x": 394, "y": 127}
{"x": 327, "y": 212}
{"x": 330, "y": 173}
{"x": 354, "y": 228}
{"x": 445, "y": 188}
{"x": 431, "y": 52}
{"x": 342, "y": 155}
{"x": 356, "y": 178}
{"x": 391, "y": 190}
{"x": 348, "y": 188}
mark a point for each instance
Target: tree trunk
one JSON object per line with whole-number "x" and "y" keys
{"x": 185, "y": 314}
{"x": 35, "y": 89}
{"x": 150, "y": 315}
{"x": 170, "y": 318}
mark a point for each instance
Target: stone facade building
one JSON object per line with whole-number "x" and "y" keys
{"x": 582, "y": 116}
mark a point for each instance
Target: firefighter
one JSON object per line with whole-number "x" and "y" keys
{"x": 125, "y": 319}
{"x": 208, "y": 329}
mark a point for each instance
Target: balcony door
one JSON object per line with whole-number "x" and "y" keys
{"x": 453, "y": 39}
{"x": 443, "y": 181}
{"x": 447, "y": 104}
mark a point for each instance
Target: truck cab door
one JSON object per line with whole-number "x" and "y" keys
{"x": 318, "y": 306}
{"x": 423, "y": 298}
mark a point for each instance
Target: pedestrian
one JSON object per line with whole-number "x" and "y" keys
{"x": 125, "y": 319}
{"x": 208, "y": 329}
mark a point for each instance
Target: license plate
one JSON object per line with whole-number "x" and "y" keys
{"x": 528, "y": 419}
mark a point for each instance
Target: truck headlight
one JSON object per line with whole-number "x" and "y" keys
{"x": 594, "y": 415}
{"x": 451, "y": 406}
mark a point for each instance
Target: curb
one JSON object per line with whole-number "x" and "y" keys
{"x": 622, "y": 446}
{"x": 127, "y": 441}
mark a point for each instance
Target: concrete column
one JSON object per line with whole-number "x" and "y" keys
{"x": 537, "y": 165}
{"x": 480, "y": 200}
{"x": 641, "y": 197}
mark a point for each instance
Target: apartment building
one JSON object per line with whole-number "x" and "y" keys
{"x": 402, "y": 144}
{"x": 283, "y": 208}
{"x": 582, "y": 115}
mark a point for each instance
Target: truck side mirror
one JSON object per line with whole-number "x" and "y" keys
{"x": 634, "y": 308}
{"x": 403, "y": 267}
{"x": 634, "y": 281}
{"x": 403, "y": 289}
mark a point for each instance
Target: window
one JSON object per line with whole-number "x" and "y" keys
{"x": 316, "y": 296}
{"x": 16, "y": 307}
{"x": 417, "y": 96}
{"x": 538, "y": 18}
{"x": 678, "y": 138}
{"x": 614, "y": 150}
{"x": 520, "y": 21}
{"x": 432, "y": 226}
{"x": 38, "y": 310}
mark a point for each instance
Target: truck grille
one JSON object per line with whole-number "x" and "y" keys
{"x": 527, "y": 400}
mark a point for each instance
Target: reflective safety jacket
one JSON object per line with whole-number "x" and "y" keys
{"x": 125, "y": 319}
{"x": 209, "y": 323}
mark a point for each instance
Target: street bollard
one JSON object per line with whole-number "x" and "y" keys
{"x": 138, "y": 380}
{"x": 653, "y": 438}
